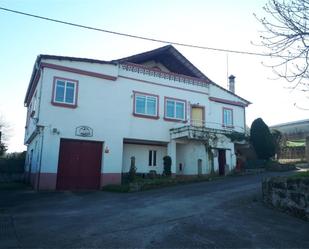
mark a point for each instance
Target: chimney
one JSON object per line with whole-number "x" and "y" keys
{"x": 231, "y": 84}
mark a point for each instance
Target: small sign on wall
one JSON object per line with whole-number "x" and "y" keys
{"x": 83, "y": 131}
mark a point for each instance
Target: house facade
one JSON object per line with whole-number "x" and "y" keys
{"x": 87, "y": 118}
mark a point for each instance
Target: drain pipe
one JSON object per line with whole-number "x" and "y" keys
{"x": 41, "y": 129}
{"x": 40, "y": 164}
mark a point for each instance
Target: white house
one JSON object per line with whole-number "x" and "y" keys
{"x": 87, "y": 118}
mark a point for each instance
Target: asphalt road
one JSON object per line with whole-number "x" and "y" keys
{"x": 225, "y": 213}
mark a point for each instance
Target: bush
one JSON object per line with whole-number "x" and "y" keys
{"x": 262, "y": 139}
{"x": 167, "y": 162}
{"x": 13, "y": 164}
{"x": 132, "y": 171}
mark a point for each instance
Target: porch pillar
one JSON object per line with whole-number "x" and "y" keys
{"x": 171, "y": 151}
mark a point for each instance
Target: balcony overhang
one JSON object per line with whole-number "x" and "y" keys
{"x": 197, "y": 132}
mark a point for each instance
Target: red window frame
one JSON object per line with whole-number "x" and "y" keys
{"x": 175, "y": 119}
{"x": 136, "y": 93}
{"x": 232, "y": 111}
{"x": 67, "y": 105}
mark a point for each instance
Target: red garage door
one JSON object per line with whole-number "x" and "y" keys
{"x": 79, "y": 165}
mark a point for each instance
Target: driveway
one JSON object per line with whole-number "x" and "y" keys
{"x": 219, "y": 214}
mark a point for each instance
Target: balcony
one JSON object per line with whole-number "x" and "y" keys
{"x": 199, "y": 130}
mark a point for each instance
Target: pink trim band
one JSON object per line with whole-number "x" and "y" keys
{"x": 229, "y": 102}
{"x": 78, "y": 71}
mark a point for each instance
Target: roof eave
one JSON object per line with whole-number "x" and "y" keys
{"x": 34, "y": 72}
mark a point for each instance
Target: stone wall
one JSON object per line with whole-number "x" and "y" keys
{"x": 288, "y": 194}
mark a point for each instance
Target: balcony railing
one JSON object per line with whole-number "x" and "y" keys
{"x": 144, "y": 70}
{"x": 199, "y": 130}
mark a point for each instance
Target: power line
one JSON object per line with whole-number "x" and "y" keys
{"x": 135, "y": 36}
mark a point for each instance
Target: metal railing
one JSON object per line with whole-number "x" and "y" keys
{"x": 198, "y": 128}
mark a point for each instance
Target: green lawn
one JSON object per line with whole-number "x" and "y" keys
{"x": 302, "y": 174}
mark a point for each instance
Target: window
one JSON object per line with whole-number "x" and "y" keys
{"x": 227, "y": 117}
{"x": 175, "y": 109}
{"x": 145, "y": 105}
{"x": 152, "y": 158}
{"x": 65, "y": 92}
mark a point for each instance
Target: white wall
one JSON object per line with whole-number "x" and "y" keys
{"x": 33, "y": 158}
{"x": 188, "y": 155}
{"x": 107, "y": 106}
{"x": 34, "y": 104}
{"x": 141, "y": 154}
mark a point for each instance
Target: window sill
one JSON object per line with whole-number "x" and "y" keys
{"x": 175, "y": 120}
{"x": 64, "y": 105}
{"x": 228, "y": 126}
{"x": 145, "y": 116}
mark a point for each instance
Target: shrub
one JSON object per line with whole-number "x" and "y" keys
{"x": 132, "y": 172}
{"x": 167, "y": 162}
{"x": 262, "y": 139}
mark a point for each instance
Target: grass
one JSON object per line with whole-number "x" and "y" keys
{"x": 301, "y": 174}
{"x": 13, "y": 186}
{"x": 124, "y": 188}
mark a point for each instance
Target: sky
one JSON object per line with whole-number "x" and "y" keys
{"x": 220, "y": 24}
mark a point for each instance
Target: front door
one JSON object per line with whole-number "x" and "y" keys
{"x": 197, "y": 116}
{"x": 222, "y": 162}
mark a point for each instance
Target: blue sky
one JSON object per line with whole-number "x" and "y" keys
{"x": 223, "y": 24}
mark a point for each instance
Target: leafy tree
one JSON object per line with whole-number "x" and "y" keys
{"x": 286, "y": 37}
{"x": 262, "y": 140}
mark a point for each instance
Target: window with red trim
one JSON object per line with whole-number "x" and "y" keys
{"x": 227, "y": 117}
{"x": 65, "y": 92}
{"x": 145, "y": 104}
{"x": 175, "y": 109}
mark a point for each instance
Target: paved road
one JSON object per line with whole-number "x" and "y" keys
{"x": 220, "y": 214}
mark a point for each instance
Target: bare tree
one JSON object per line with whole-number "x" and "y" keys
{"x": 4, "y": 135}
{"x": 286, "y": 38}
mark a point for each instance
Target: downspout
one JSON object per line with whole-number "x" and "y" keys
{"x": 245, "y": 128}
{"x": 41, "y": 129}
{"x": 40, "y": 164}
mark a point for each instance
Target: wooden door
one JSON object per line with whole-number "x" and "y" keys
{"x": 222, "y": 162}
{"x": 79, "y": 165}
{"x": 197, "y": 116}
